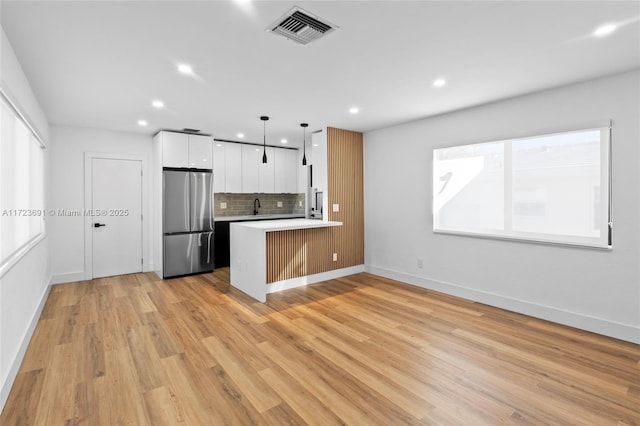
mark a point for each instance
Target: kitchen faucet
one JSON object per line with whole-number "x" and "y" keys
{"x": 256, "y": 207}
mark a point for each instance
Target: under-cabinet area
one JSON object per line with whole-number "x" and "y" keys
{"x": 222, "y": 234}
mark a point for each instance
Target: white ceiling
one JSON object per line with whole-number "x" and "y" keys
{"x": 100, "y": 64}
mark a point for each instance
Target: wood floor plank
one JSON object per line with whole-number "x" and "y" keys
{"x": 146, "y": 361}
{"x": 56, "y": 402}
{"x": 374, "y": 380}
{"x": 163, "y": 340}
{"x": 189, "y": 404}
{"x": 362, "y": 349}
{"x": 120, "y": 398}
{"x": 256, "y": 390}
{"x": 23, "y": 401}
{"x": 162, "y": 407}
{"x": 317, "y": 384}
{"x": 300, "y": 398}
{"x": 86, "y": 409}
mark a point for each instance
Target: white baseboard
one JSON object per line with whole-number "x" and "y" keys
{"x": 316, "y": 278}
{"x": 17, "y": 361}
{"x": 602, "y": 326}
{"x": 69, "y": 277}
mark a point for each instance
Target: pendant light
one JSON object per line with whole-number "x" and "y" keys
{"x": 264, "y": 119}
{"x": 304, "y": 143}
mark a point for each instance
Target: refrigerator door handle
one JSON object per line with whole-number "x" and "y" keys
{"x": 186, "y": 201}
{"x": 209, "y": 248}
{"x": 193, "y": 192}
{"x": 211, "y": 219}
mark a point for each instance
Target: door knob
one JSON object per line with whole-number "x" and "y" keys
{"x": 98, "y": 225}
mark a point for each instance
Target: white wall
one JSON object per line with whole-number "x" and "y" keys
{"x": 67, "y": 181}
{"x": 592, "y": 289}
{"x": 24, "y": 288}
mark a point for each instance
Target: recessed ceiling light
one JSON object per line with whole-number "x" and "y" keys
{"x": 439, "y": 82}
{"x": 218, "y": 144}
{"x": 157, "y": 104}
{"x": 283, "y": 141}
{"x": 142, "y": 123}
{"x": 604, "y": 30}
{"x": 240, "y": 135}
{"x": 185, "y": 69}
{"x": 354, "y": 110}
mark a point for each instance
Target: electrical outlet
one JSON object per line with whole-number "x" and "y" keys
{"x": 279, "y": 203}
{"x": 420, "y": 264}
{"x": 336, "y": 208}
{"x": 335, "y": 257}
{"x": 223, "y": 205}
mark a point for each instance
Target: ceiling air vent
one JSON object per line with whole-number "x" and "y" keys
{"x": 301, "y": 26}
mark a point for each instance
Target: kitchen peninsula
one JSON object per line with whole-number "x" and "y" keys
{"x": 254, "y": 266}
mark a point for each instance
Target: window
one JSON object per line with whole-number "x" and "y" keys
{"x": 21, "y": 186}
{"x": 551, "y": 188}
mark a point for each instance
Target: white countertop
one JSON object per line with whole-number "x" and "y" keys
{"x": 286, "y": 224}
{"x": 258, "y": 217}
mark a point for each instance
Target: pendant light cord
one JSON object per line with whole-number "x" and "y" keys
{"x": 304, "y": 143}
{"x": 264, "y": 119}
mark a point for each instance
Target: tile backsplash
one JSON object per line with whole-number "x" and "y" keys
{"x": 242, "y": 204}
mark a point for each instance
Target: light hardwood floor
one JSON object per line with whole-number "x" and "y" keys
{"x": 360, "y": 350}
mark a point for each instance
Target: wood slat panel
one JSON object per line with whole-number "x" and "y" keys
{"x": 346, "y": 188}
{"x": 301, "y": 252}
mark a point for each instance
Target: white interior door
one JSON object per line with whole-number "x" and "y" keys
{"x": 117, "y": 216}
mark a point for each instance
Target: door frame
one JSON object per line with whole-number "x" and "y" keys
{"x": 88, "y": 196}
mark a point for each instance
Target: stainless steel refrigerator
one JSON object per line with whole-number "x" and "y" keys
{"x": 187, "y": 222}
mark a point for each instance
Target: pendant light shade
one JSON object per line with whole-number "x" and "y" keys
{"x": 304, "y": 143}
{"x": 264, "y": 119}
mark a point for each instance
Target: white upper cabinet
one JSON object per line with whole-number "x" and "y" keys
{"x": 227, "y": 167}
{"x": 200, "y": 152}
{"x": 286, "y": 171}
{"x": 233, "y": 167}
{"x": 238, "y": 168}
{"x": 175, "y": 149}
{"x": 251, "y": 160}
{"x": 186, "y": 151}
{"x": 219, "y": 172}
{"x": 267, "y": 178}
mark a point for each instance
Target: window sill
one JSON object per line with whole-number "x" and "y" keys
{"x": 16, "y": 256}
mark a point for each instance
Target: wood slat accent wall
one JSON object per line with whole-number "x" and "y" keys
{"x": 345, "y": 176}
{"x": 296, "y": 253}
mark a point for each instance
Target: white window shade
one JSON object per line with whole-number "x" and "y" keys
{"x": 21, "y": 186}
{"x": 550, "y": 188}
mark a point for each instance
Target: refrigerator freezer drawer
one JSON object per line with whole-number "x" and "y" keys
{"x": 186, "y": 254}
